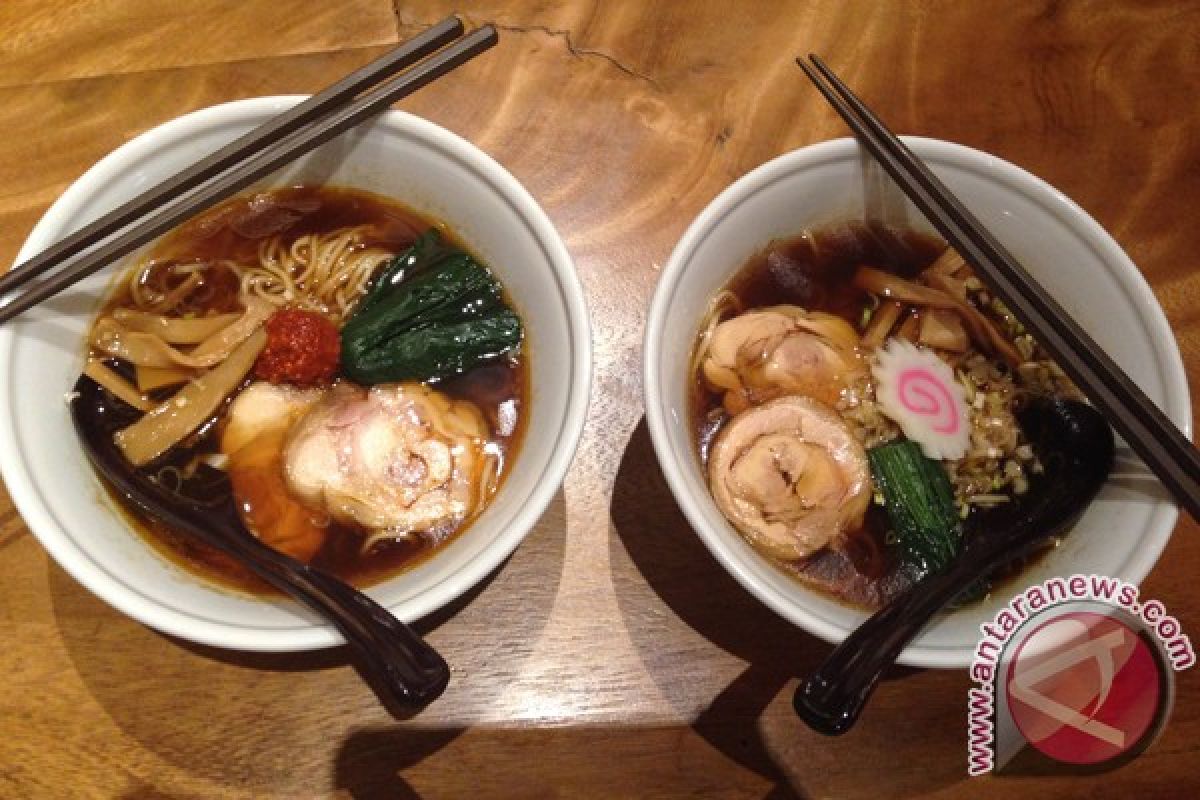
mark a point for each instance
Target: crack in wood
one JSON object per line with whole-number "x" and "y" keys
{"x": 403, "y": 26}
{"x": 580, "y": 52}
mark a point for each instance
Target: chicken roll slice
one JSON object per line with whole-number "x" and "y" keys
{"x": 768, "y": 352}
{"x": 790, "y": 476}
{"x": 399, "y": 458}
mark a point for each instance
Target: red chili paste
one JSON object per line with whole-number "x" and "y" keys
{"x": 302, "y": 348}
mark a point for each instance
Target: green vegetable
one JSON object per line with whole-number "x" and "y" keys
{"x": 433, "y": 311}
{"x": 436, "y": 351}
{"x": 454, "y": 289}
{"x": 429, "y": 248}
{"x": 920, "y": 505}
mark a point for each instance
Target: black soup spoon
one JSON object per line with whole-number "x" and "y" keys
{"x": 1075, "y": 444}
{"x": 403, "y": 670}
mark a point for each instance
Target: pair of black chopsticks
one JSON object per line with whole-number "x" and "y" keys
{"x": 1148, "y": 431}
{"x": 345, "y": 104}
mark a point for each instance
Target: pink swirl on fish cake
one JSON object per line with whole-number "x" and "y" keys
{"x": 922, "y": 392}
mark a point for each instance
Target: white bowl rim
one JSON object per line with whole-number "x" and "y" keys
{"x": 936, "y": 151}
{"x": 36, "y": 512}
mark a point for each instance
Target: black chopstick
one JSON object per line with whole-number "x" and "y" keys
{"x": 293, "y": 119}
{"x": 1153, "y": 436}
{"x": 271, "y": 157}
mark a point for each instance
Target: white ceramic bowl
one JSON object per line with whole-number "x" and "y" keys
{"x": 1125, "y": 529}
{"x": 397, "y": 155}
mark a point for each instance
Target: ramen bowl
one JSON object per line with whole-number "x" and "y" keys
{"x": 1122, "y": 532}
{"x": 399, "y": 156}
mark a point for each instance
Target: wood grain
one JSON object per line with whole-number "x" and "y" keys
{"x": 50, "y": 42}
{"x": 611, "y": 656}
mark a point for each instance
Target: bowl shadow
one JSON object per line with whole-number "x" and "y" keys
{"x": 185, "y": 702}
{"x": 677, "y": 566}
{"x": 743, "y": 719}
{"x": 386, "y": 764}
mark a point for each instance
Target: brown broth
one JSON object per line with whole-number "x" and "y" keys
{"x": 234, "y": 229}
{"x": 500, "y": 389}
{"x": 813, "y": 271}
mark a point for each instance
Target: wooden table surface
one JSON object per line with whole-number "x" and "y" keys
{"x": 611, "y": 656}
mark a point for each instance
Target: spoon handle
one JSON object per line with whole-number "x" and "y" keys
{"x": 399, "y": 665}
{"x": 1068, "y": 433}
{"x": 405, "y": 672}
{"x": 831, "y": 700}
